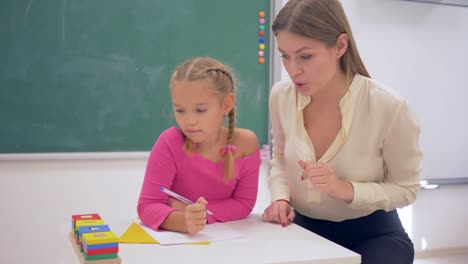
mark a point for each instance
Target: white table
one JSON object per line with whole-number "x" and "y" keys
{"x": 265, "y": 243}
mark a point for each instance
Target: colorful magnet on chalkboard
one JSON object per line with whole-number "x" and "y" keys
{"x": 261, "y": 39}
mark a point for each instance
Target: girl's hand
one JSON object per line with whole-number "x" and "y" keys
{"x": 324, "y": 180}
{"x": 195, "y": 216}
{"x": 279, "y": 211}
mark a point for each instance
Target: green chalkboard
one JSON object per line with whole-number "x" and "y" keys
{"x": 93, "y": 75}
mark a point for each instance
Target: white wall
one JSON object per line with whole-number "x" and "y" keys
{"x": 421, "y": 50}
{"x": 62, "y": 187}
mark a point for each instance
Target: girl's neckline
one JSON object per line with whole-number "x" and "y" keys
{"x": 221, "y": 161}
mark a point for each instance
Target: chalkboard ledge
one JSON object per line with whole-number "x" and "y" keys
{"x": 75, "y": 156}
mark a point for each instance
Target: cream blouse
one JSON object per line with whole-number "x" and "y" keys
{"x": 377, "y": 150}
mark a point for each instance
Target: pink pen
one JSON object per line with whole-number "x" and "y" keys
{"x": 179, "y": 197}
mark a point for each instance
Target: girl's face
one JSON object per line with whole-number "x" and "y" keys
{"x": 198, "y": 111}
{"x": 311, "y": 64}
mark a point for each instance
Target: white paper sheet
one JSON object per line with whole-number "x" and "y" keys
{"x": 211, "y": 232}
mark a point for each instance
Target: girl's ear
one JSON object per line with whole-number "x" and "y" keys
{"x": 341, "y": 45}
{"x": 229, "y": 103}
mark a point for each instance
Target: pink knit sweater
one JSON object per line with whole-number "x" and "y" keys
{"x": 193, "y": 176}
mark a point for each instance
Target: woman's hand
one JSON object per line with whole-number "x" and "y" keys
{"x": 324, "y": 180}
{"x": 279, "y": 211}
{"x": 195, "y": 216}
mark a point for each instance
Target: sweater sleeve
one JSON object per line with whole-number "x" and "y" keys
{"x": 402, "y": 157}
{"x": 243, "y": 199}
{"x": 277, "y": 180}
{"x": 153, "y": 206}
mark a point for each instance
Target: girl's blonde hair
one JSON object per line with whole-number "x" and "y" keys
{"x": 206, "y": 68}
{"x": 325, "y": 21}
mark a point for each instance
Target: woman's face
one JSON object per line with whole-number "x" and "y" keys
{"x": 311, "y": 64}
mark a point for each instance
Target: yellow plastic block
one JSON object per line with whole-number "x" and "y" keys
{"x": 87, "y": 223}
{"x": 100, "y": 238}
{"x": 82, "y": 259}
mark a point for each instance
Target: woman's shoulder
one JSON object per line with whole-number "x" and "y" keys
{"x": 282, "y": 88}
{"x": 246, "y": 141}
{"x": 384, "y": 100}
{"x": 382, "y": 92}
{"x": 282, "y": 95}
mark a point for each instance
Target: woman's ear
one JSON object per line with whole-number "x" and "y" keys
{"x": 229, "y": 103}
{"x": 341, "y": 45}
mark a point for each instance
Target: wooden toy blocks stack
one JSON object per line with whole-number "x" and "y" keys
{"x": 93, "y": 241}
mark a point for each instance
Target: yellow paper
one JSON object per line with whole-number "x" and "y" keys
{"x": 136, "y": 235}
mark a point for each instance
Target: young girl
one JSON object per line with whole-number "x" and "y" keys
{"x": 345, "y": 147}
{"x": 202, "y": 160}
